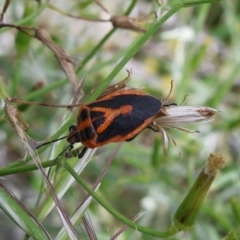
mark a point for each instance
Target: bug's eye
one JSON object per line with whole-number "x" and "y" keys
{"x": 72, "y": 128}
{"x": 77, "y": 137}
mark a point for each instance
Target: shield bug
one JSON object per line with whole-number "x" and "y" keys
{"x": 116, "y": 117}
{"x": 120, "y": 114}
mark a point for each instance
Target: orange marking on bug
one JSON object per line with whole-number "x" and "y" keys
{"x": 119, "y": 138}
{"x": 86, "y": 123}
{"x": 116, "y": 117}
{"x": 111, "y": 114}
{"x": 90, "y": 143}
{"x": 125, "y": 109}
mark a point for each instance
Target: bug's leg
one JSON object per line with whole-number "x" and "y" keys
{"x": 81, "y": 154}
{"x": 154, "y": 128}
{"x": 68, "y": 153}
{"x": 169, "y": 104}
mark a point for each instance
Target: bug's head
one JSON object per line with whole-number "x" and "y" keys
{"x": 74, "y": 135}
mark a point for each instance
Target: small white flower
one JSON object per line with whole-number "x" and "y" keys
{"x": 178, "y": 116}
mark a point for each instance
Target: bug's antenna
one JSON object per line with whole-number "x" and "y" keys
{"x": 55, "y": 140}
{"x": 184, "y": 99}
{"x": 170, "y": 91}
{"x": 54, "y": 160}
{"x": 166, "y": 98}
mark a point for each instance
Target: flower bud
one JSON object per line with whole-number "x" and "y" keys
{"x": 187, "y": 212}
{"x": 127, "y": 23}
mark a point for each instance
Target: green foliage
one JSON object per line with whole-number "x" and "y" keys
{"x": 195, "y": 44}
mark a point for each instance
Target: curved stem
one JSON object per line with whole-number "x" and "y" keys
{"x": 115, "y": 213}
{"x": 103, "y": 40}
{"x": 135, "y": 48}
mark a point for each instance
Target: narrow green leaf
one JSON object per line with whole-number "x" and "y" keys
{"x": 20, "y": 215}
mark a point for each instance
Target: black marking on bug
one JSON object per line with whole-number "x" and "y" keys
{"x": 143, "y": 108}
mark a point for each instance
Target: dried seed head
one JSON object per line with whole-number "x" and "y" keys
{"x": 215, "y": 162}
{"x": 179, "y": 116}
{"x": 127, "y": 23}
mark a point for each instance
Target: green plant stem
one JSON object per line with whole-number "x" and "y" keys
{"x": 111, "y": 210}
{"x": 3, "y": 93}
{"x": 54, "y": 136}
{"x": 21, "y": 169}
{"x": 191, "y": 3}
{"x": 143, "y": 39}
{"x": 94, "y": 50}
{"x": 103, "y": 40}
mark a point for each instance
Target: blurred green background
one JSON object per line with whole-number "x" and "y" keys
{"x": 198, "y": 48}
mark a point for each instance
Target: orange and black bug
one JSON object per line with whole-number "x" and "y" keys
{"x": 116, "y": 117}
